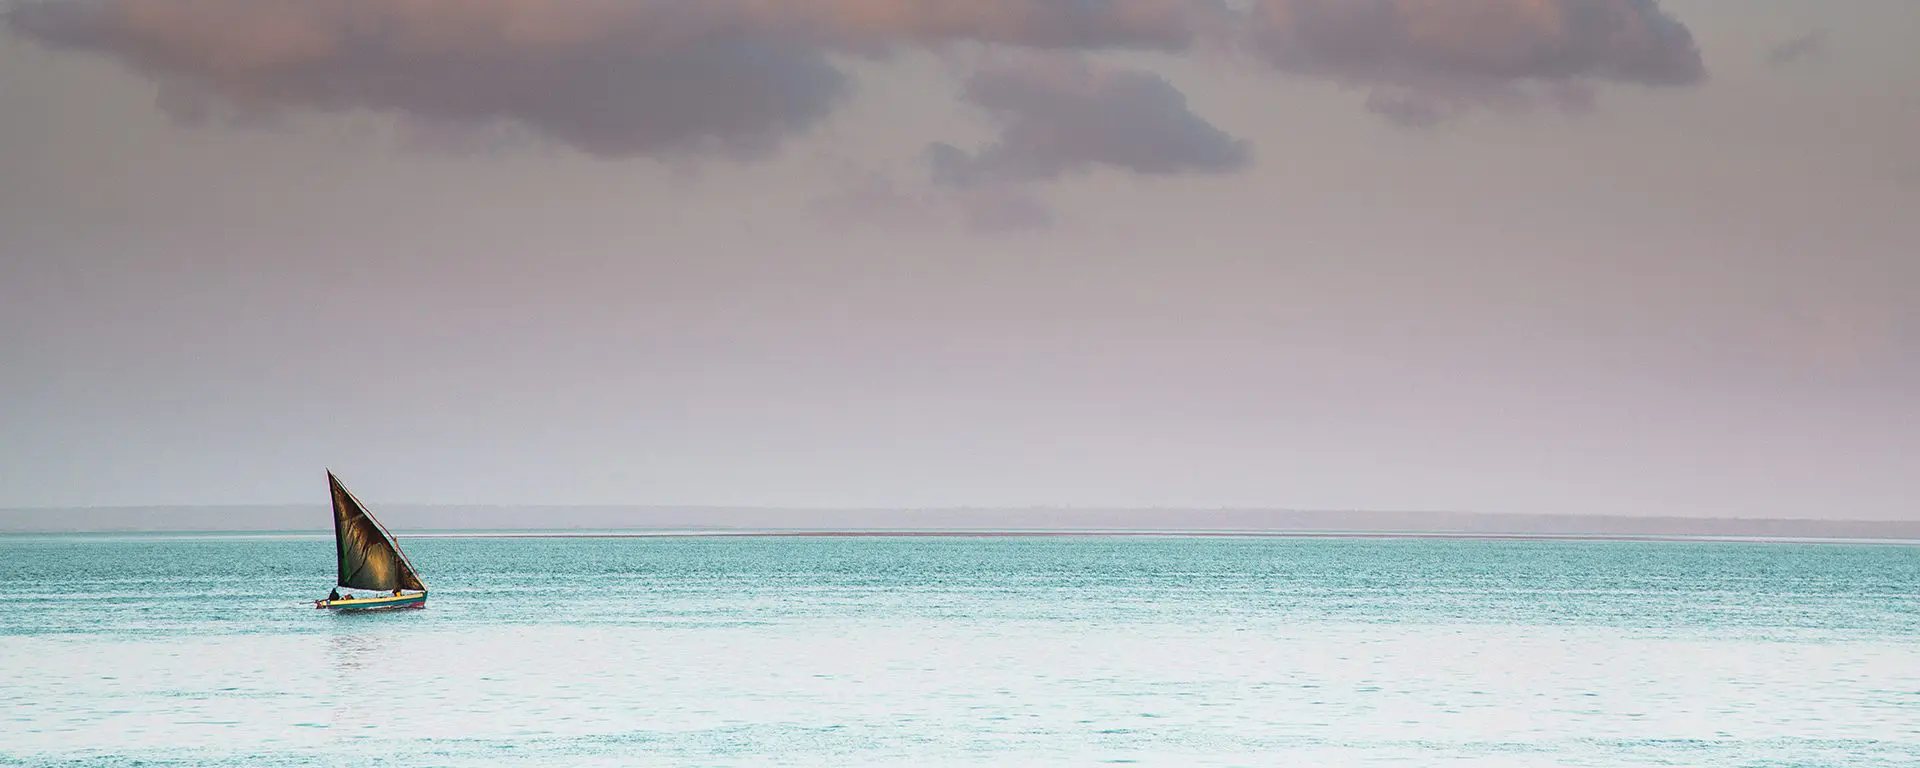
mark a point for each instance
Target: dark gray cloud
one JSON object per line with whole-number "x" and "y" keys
{"x": 737, "y": 77}
{"x": 1436, "y": 58}
{"x": 1060, "y": 115}
{"x": 1168, "y": 25}
{"x": 604, "y": 80}
{"x": 610, "y": 77}
{"x": 1797, "y": 48}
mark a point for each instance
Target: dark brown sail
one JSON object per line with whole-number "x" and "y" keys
{"x": 369, "y": 558}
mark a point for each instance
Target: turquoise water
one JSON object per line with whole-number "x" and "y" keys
{"x": 185, "y": 650}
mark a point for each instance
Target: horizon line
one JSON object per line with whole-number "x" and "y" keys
{"x": 976, "y": 533}
{"x": 938, "y": 508}
{"x": 1705, "y": 517}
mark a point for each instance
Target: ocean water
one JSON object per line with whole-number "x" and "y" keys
{"x": 740, "y": 651}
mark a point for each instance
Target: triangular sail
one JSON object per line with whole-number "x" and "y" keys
{"x": 369, "y": 558}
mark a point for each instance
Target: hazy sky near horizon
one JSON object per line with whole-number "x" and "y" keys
{"x": 1547, "y": 256}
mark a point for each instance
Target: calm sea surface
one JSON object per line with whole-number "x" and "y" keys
{"x": 178, "y": 650}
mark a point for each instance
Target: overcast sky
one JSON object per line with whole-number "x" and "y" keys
{"x": 1548, "y": 256}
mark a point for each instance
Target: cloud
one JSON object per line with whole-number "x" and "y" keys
{"x": 870, "y": 197}
{"x": 1797, "y": 48}
{"x": 739, "y": 77}
{"x": 1429, "y": 59}
{"x": 1063, "y": 115}
{"x": 609, "y": 77}
{"x": 866, "y": 198}
{"x": 1168, "y": 25}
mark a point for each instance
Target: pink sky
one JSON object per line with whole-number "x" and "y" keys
{"x": 1571, "y": 256}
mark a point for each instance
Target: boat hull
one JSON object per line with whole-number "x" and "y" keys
{"x": 381, "y": 603}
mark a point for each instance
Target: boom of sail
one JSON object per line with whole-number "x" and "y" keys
{"x": 369, "y": 558}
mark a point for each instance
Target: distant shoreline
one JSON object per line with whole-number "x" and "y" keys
{"x": 995, "y": 534}
{"x": 640, "y": 520}
{"x": 1094, "y": 534}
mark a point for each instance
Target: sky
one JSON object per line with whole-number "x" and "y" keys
{"x": 1532, "y": 256}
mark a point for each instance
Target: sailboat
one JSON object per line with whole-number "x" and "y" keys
{"x": 369, "y": 559}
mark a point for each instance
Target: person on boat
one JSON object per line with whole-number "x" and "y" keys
{"x": 334, "y": 595}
